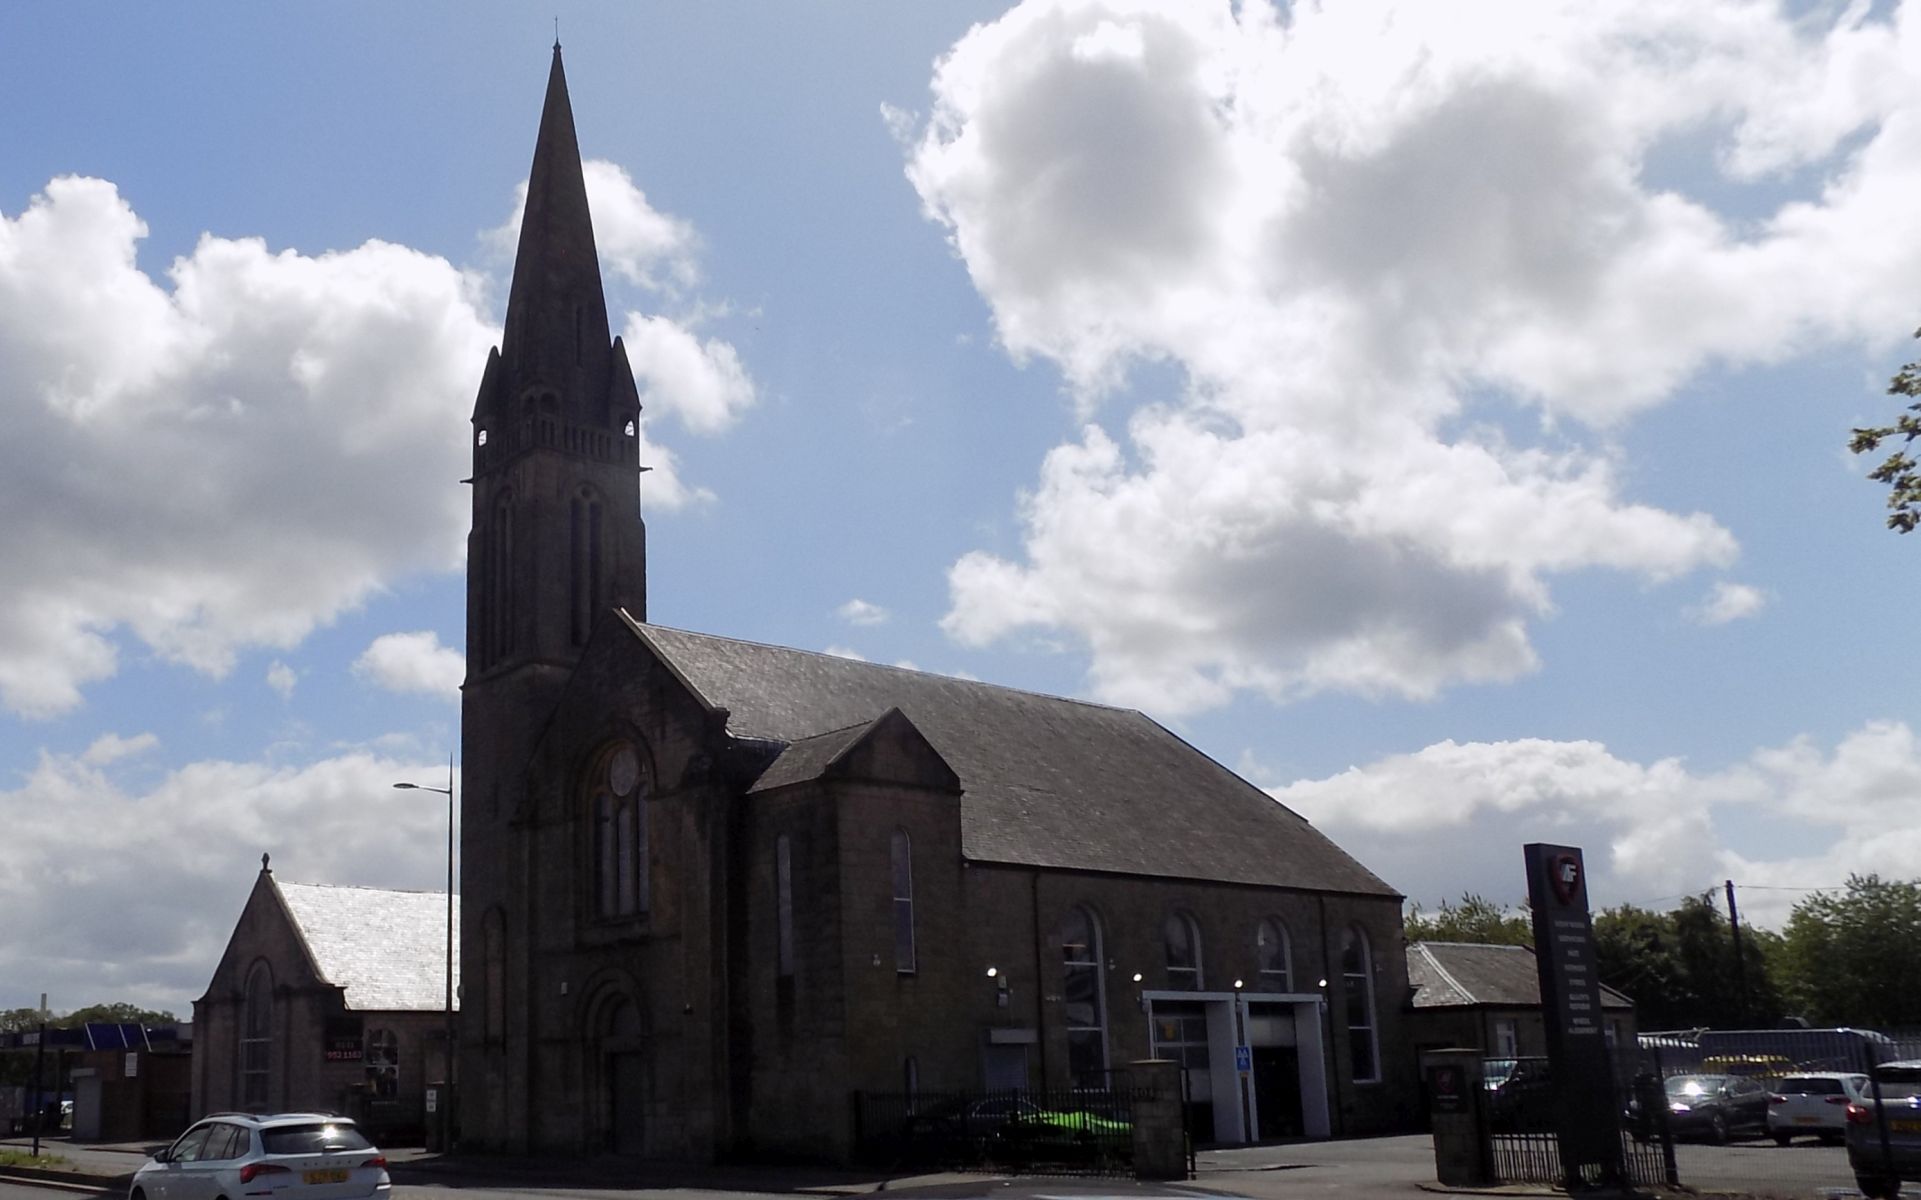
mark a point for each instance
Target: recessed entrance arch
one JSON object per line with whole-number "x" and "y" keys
{"x": 618, "y": 1074}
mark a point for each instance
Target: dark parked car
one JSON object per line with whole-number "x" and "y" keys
{"x": 1878, "y": 1171}
{"x": 961, "y": 1129}
{"x": 1716, "y": 1107}
{"x": 1523, "y": 1100}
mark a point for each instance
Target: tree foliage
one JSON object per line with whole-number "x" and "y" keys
{"x": 1854, "y": 957}
{"x": 1899, "y": 471}
{"x": 1679, "y": 966}
{"x": 1475, "y": 919}
{"x": 20, "y": 1020}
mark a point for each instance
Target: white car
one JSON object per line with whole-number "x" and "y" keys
{"x": 1815, "y": 1103}
{"x": 288, "y": 1156}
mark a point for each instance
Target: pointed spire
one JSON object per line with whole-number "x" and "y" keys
{"x": 557, "y": 335}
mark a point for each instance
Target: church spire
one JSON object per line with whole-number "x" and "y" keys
{"x": 557, "y": 538}
{"x": 556, "y": 335}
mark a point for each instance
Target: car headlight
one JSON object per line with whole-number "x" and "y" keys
{"x": 1677, "y": 1106}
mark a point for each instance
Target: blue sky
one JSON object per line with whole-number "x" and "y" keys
{"x": 1441, "y": 421}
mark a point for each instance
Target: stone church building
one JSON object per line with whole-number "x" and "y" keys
{"x": 712, "y": 889}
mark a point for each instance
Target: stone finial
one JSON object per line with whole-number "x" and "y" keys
{"x": 264, "y": 868}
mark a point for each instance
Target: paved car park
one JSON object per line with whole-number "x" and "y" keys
{"x": 1361, "y": 1167}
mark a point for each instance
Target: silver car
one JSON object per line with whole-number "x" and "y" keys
{"x": 288, "y": 1156}
{"x": 1814, "y": 1103}
{"x": 1884, "y": 1138}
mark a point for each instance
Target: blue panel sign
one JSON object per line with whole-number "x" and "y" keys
{"x": 1243, "y": 1059}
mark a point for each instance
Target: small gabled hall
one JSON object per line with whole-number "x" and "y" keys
{"x": 328, "y": 999}
{"x": 714, "y": 889}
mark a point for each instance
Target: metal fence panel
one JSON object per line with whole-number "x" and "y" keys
{"x": 1059, "y": 1132}
{"x": 1523, "y": 1147}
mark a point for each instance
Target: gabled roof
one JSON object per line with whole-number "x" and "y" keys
{"x": 807, "y": 758}
{"x": 386, "y": 948}
{"x": 1045, "y": 781}
{"x": 1477, "y": 975}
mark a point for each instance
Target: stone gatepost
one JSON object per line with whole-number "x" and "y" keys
{"x": 1160, "y": 1133}
{"x": 1452, "y": 1082}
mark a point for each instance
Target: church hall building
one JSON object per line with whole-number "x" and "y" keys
{"x": 712, "y": 890}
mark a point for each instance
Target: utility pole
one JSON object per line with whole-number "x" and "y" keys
{"x": 39, "y": 1056}
{"x": 1740, "y": 972}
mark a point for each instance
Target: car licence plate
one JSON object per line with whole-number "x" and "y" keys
{"x": 330, "y": 1175}
{"x": 1898, "y": 1125}
{"x": 1807, "y": 1120}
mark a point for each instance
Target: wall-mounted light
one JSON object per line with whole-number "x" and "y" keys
{"x": 993, "y": 971}
{"x": 1323, "y": 983}
{"x": 1137, "y": 977}
{"x": 1238, "y": 985}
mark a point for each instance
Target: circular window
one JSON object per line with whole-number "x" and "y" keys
{"x": 624, "y": 771}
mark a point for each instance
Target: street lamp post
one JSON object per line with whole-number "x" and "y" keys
{"x": 446, "y": 1115}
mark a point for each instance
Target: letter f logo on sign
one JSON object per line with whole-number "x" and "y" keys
{"x": 1564, "y": 871}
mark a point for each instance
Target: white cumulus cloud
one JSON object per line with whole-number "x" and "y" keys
{"x": 111, "y": 747}
{"x": 227, "y": 461}
{"x": 282, "y": 679}
{"x": 861, "y": 612}
{"x": 1354, "y": 230}
{"x": 413, "y": 662}
{"x": 702, "y": 384}
{"x": 1729, "y": 602}
{"x": 1454, "y": 816}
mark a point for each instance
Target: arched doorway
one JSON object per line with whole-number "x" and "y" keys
{"x": 623, "y": 1075}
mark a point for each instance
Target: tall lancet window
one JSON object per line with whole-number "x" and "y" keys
{"x": 584, "y": 563}
{"x": 256, "y": 1039}
{"x": 497, "y": 589}
{"x": 617, "y": 843}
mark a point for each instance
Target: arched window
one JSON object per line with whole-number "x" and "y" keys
{"x": 256, "y": 1039}
{"x": 493, "y": 955}
{"x": 784, "y": 906}
{"x": 617, "y": 809}
{"x": 1357, "y": 986}
{"x": 1085, "y": 1006}
{"x": 382, "y": 1058}
{"x": 584, "y": 563}
{"x": 1183, "y": 939}
{"x": 903, "y": 863}
{"x": 1272, "y": 952}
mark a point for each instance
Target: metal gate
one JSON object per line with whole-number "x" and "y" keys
{"x": 1522, "y": 1147}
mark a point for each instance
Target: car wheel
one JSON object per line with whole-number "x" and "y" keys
{"x": 1717, "y": 1128}
{"x": 1876, "y": 1188}
{"x": 138, "y": 1194}
{"x": 1782, "y": 1139}
{"x": 1832, "y": 1139}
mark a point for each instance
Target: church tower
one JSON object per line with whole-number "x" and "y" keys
{"x": 557, "y": 540}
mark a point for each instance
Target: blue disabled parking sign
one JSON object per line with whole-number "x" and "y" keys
{"x": 1243, "y": 1059}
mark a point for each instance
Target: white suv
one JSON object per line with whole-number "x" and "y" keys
{"x": 1814, "y": 1102}
{"x": 293, "y": 1156}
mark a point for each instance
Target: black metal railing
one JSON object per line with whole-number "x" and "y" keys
{"x": 1064, "y": 1131}
{"x": 1520, "y": 1115}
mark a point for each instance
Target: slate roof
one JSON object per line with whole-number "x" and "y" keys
{"x": 386, "y": 948}
{"x": 805, "y": 758}
{"x": 1471, "y": 974}
{"x": 1046, "y": 781}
